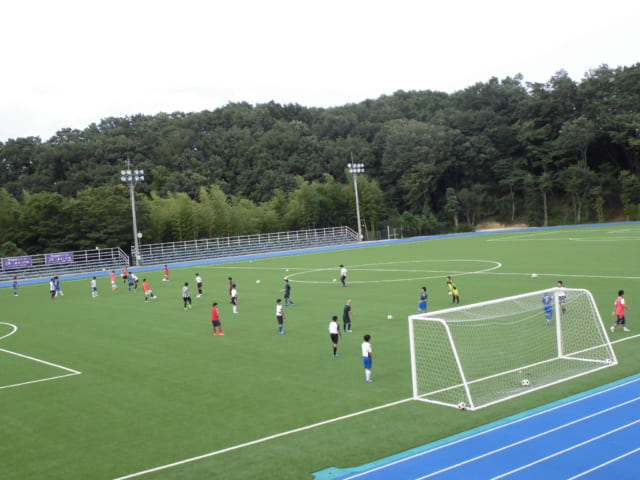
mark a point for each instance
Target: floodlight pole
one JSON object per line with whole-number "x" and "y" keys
{"x": 131, "y": 177}
{"x": 355, "y": 169}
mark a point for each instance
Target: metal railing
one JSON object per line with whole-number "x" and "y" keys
{"x": 48, "y": 265}
{"x": 210, "y": 248}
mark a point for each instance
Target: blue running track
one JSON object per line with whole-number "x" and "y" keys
{"x": 595, "y": 436}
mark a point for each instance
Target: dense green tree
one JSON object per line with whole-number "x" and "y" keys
{"x": 513, "y": 151}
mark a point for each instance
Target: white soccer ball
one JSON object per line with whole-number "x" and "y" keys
{"x": 334, "y": 280}
{"x": 534, "y": 275}
{"x": 450, "y": 292}
{"x": 462, "y": 406}
{"x": 389, "y": 317}
{"x": 525, "y": 382}
{"x": 257, "y": 281}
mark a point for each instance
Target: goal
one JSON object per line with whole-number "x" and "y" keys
{"x": 478, "y": 355}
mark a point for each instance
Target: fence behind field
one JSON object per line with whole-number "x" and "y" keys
{"x": 176, "y": 252}
{"x": 47, "y": 265}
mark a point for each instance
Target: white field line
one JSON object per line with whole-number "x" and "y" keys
{"x": 261, "y": 440}
{"x": 39, "y": 380}
{"x": 14, "y": 329}
{"x": 337, "y": 419}
{"x": 38, "y": 360}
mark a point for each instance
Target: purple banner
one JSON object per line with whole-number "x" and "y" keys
{"x": 52, "y": 258}
{"x": 16, "y": 262}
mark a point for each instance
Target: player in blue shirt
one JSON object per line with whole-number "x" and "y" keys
{"x": 422, "y": 304}
{"x": 547, "y": 301}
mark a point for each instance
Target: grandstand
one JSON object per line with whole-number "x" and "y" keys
{"x": 44, "y": 266}
{"x": 210, "y": 248}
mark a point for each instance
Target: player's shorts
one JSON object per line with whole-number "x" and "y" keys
{"x": 148, "y": 292}
{"x": 234, "y": 300}
{"x": 620, "y": 320}
{"x": 280, "y": 319}
{"x": 216, "y": 323}
{"x": 367, "y": 362}
{"x": 422, "y": 306}
{"x": 334, "y": 337}
{"x": 548, "y": 310}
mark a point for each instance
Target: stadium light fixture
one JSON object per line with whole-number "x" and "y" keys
{"x": 356, "y": 169}
{"x": 131, "y": 177}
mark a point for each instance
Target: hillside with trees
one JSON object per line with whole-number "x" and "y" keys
{"x": 563, "y": 152}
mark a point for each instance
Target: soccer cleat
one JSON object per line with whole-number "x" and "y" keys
{"x": 221, "y": 334}
{"x": 613, "y": 328}
{"x": 625, "y": 329}
{"x": 335, "y": 355}
{"x": 369, "y": 380}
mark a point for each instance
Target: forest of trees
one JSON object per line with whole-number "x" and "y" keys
{"x": 562, "y": 152}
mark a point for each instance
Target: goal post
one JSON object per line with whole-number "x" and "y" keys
{"x": 478, "y": 355}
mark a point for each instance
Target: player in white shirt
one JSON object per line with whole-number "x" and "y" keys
{"x": 343, "y": 275}
{"x": 562, "y": 297}
{"x": 367, "y": 358}
{"x": 280, "y": 316}
{"x": 94, "y": 287}
{"x": 334, "y": 333}
{"x": 199, "y": 285}
{"x": 234, "y": 298}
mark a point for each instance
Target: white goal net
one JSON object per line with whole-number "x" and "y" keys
{"x": 477, "y": 355}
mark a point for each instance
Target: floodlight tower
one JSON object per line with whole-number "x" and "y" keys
{"x": 356, "y": 169}
{"x": 131, "y": 177}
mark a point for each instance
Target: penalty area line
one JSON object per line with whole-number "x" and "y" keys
{"x": 261, "y": 440}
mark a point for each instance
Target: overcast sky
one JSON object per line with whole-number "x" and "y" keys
{"x": 70, "y": 63}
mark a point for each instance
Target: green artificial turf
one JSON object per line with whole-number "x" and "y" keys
{"x": 156, "y": 386}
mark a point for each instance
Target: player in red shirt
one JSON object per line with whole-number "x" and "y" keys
{"x": 215, "y": 319}
{"x": 114, "y": 285}
{"x": 618, "y": 310}
{"x": 147, "y": 291}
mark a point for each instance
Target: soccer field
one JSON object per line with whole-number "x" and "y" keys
{"x": 110, "y": 387}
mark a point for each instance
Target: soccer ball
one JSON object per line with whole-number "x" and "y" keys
{"x": 450, "y": 292}
{"x": 534, "y": 275}
{"x": 525, "y": 382}
{"x": 389, "y": 317}
{"x": 334, "y": 280}
{"x": 608, "y": 361}
{"x": 257, "y": 281}
{"x": 462, "y": 406}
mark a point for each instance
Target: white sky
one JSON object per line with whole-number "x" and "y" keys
{"x": 69, "y": 63}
